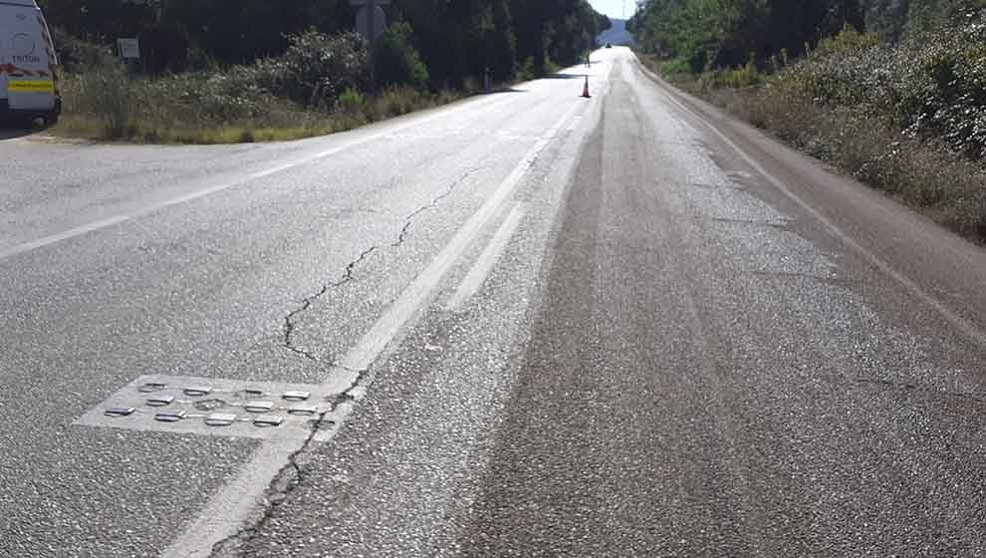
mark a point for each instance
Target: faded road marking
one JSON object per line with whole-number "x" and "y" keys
{"x": 228, "y": 509}
{"x": 487, "y": 260}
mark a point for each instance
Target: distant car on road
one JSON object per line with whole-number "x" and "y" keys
{"x": 609, "y": 45}
{"x": 27, "y": 63}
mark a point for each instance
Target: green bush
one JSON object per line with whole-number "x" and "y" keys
{"x": 315, "y": 66}
{"x": 848, "y": 40}
{"x": 735, "y": 78}
{"x": 934, "y": 89}
{"x": 396, "y": 60}
{"x": 351, "y": 100}
{"x": 527, "y": 70}
{"x": 678, "y": 66}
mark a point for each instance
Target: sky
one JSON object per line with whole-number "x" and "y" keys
{"x": 614, "y": 8}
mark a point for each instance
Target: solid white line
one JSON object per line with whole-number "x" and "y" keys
{"x": 153, "y": 208}
{"x": 265, "y": 463}
{"x": 230, "y": 506}
{"x": 373, "y": 343}
{"x": 956, "y": 320}
{"x": 487, "y": 260}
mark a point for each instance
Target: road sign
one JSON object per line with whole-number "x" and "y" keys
{"x": 129, "y": 48}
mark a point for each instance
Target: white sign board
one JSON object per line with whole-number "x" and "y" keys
{"x": 129, "y": 48}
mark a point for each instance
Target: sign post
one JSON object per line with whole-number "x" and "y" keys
{"x": 371, "y": 20}
{"x": 129, "y": 50}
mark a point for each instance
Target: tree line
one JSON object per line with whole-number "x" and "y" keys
{"x": 716, "y": 33}
{"x": 456, "y": 39}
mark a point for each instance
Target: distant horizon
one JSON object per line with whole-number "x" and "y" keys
{"x": 614, "y": 8}
{"x": 616, "y": 35}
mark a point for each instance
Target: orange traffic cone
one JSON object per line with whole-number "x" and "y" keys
{"x": 585, "y": 89}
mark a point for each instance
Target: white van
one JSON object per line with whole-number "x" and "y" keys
{"x": 28, "y": 82}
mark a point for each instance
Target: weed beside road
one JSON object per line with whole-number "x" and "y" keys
{"x": 908, "y": 119}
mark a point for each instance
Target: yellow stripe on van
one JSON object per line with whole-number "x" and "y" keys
{"x": 32, "y": 86}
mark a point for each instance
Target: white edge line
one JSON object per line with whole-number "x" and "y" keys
{"x": 487, "y": 260}
{"x": 240, "y": 494}
{"x": 128, "y": 216}
{"x": 226, "y": 509}
{"x": 956, "y": 320}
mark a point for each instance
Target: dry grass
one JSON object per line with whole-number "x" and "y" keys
{"x": 111, "y": 105}
{"x": 922, "y": 173}
{"x": 943, "y": 184}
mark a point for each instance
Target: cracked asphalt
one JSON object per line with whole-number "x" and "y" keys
{"x": 696, "y": 343}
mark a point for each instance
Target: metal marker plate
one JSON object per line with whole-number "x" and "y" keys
{"x": 268, "y": 421}
{"x": 216, "y": 407}
{"x": 259, "y": 406}
{"x": 303, "y": 410}
{"x": 220, "y": 419}
{"x": 151, "y": 387}
{"x": 169, "y": 416}
{"x": 160, "y": 400}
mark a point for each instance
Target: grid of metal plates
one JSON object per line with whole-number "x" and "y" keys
{"x": 216, "y": 407}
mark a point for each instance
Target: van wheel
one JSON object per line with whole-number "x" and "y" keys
{"x": 51, "y": 120}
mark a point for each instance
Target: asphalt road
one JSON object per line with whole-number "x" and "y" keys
{"x": 532, "y": 325}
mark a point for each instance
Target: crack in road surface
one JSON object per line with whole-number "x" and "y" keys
{"x": 290, "y": 476}
{"x": 290, "y": 324}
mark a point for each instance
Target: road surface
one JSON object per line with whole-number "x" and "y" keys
{"x": 526, "y": 324}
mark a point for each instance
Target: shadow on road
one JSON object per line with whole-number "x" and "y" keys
{"x": 504, "y": 89}
{"x": 564, "y": 76}
{"x": 14, "y": 130}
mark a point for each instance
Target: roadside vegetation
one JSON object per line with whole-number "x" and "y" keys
{"x": 315, "y": 87}
{"x": 215, "y": 72}
{"x": 893, "y": 93}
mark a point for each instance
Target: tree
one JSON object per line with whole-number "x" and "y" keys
{"x": 396, "y": 60}
{"x": 456, "y": 39}
{"x": 709, "y": 33}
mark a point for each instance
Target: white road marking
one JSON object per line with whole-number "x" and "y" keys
{"x": 191, "y": 196}
{"x": 226, "y": 510}
{"x": 960, "y": 323}
{"x": 487, "y": 260}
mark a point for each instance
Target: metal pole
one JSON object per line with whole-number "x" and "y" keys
{"x": 371, "y": 28}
